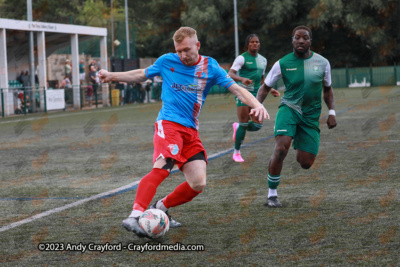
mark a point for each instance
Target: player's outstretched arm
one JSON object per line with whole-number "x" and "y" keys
{"x": 330, "y": 102}
{"x": 133, "y": 76}
{"x": 258, "y": 110}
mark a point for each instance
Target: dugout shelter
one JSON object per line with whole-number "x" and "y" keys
{"x": 49, "y": 37}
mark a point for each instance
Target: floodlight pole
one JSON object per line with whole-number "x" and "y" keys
{"x": 112, "y": 30}
{"x": 31, "y": 54}
{"x": 128, "y": 53}
{"x": 236, "y": 29}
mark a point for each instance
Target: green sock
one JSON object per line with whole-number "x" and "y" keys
{"x": 254, "y": 126}
{"x": 273, "y": 181}
{"x": 240, "y": 134}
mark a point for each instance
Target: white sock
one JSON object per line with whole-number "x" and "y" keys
{"x": 236, "y": 151}
{"x": 272, "y": 192}
{"x": 160, "y": 205}
{"x": 136, "y": 213}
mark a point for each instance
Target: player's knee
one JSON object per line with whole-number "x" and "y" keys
{"x": 198, "y": 185}
{"x": 281, "y": 151}
{"x": 281, "y": 154}
{"x": 305, "y": 165}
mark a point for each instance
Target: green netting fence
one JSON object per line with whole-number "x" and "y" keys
{"x": 20, "y": 100}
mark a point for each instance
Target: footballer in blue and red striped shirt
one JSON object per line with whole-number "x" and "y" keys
{"x": 185, "y": 88}
{"x": 187, "y": 79}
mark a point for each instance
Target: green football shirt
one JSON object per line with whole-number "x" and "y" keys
{"x": 252, "y": 68}
{"x": 303, "y": 79}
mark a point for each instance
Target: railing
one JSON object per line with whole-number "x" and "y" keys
{"x": 362, "y": 77}
{"x": 17, "y": 100}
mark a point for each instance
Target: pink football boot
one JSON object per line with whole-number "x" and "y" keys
{"x": 237, "y": 157}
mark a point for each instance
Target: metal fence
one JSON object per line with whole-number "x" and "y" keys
{"x": 362, "y": 77}
{"x": 365, "y": 77}
{"x": 17, "y": 100}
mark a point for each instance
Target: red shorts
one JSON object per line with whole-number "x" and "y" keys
{"x": 173, "y": 140}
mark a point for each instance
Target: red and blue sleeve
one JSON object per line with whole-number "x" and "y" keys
{"x": 222, "y": 78}
{"x": 155, "y": 69}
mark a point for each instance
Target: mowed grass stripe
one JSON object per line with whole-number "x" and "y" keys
{"x": 68, "y": 206}
{"x": 111, "y": 193}
{"x": 343, "y": 211}
{"x": 122, "y": 189}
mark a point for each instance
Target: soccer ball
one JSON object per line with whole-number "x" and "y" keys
{"x": 154, "y": 222}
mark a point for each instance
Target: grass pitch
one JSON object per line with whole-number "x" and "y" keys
{"x": 342, "y": 211}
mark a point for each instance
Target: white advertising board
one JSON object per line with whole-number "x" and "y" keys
{"x": 55, "y": 99}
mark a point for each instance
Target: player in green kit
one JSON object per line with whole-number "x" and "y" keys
{"x": 251, "y": 67}
{"x": 305, "y": 74}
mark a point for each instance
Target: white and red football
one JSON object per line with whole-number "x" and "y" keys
{"x": 154, "y": 222}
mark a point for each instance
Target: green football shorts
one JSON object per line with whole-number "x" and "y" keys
{"x": 305, "y": 132}
{"x": 240, "y": 103}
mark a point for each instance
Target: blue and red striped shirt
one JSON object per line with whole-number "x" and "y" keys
{"x": 185, "y": 88}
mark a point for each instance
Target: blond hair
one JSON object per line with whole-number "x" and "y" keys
{"x": 183, "y": 32}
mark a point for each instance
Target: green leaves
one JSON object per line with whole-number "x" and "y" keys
{"x": 353, "y": 33}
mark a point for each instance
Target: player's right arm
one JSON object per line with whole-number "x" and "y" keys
{"x": 236, "y": 66}
{"x": 133, "y": 76}
{"x": 263, "y": 92}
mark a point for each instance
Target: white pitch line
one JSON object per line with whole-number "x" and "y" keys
{"x": 82, "y": 201}
{"x": 71, "y": 205}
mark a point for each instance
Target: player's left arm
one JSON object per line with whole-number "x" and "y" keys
{"x": 329, "y": 98}
{"x": 330, "y": 102}
{"x": 273, "y": 76}
{"x": 258, "y": 110}
{"x": 272, "y": 91}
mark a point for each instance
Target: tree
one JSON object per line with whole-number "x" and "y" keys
{"x": 155, "y": 23}
{"x": 215, "y": 27}
{"x": 359, "y": 33}
{"x": 348, "y": 33}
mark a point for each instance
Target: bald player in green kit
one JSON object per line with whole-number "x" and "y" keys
{"x": 305, "y": 74}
